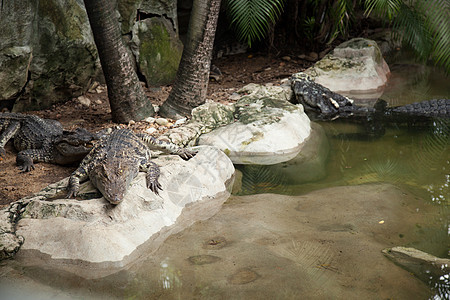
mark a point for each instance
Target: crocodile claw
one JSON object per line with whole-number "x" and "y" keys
{"x": 25, "y": 163}
{"x": 154, "y": 186}
{"x": 186, "y": 154}
{"x": 26, "y": 168}
{"x": 71, "y": 194}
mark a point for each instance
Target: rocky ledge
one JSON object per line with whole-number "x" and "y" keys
{"x": 92, "y": 232}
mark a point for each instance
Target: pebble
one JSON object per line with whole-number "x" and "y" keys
{"x": 98, "y": 101}
{"x": 149, "y": 120}
{"x": 84, "y": 101}
{"x": 150, "y": 130}
{"x": 180, "y": 122}
{"x": 131, "y": 122}
{"x": 155, "y": 107}
{"x": 313, "y": 55}
{"x": 235, "y": 96}
{"x": 162, "y": 121}
{"x": 286, "y": 58}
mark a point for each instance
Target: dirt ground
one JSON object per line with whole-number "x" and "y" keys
{"x": 237, "y": 71}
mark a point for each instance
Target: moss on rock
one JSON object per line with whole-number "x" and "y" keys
{"x": 159, "y": 50}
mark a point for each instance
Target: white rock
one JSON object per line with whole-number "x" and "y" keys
{"x": 94, "y": 231}
{"x": 84, "y": 101}
{"x": 162, "y": 121}
{"x": 180, "y": 122}
{"x": 355, "y": 69}
{"x": 269, "y": 131}
{"x": 149, "y": 120}
{"x": 234, "y": 96}
{"x": 151, "y": 130}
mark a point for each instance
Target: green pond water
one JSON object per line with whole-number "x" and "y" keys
{"x": 313, "y": 230}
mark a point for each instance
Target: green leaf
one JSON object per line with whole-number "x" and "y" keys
{"x": 252, "y": 18}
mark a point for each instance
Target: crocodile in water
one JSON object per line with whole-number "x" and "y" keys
{"x": 116, "y": 160}
{"x": 43, "y": 140}
{"x": 322, "y": 104}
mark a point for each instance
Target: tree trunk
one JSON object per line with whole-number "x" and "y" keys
{"x": 126, "y": 96}
{"x": 191, "y": 85}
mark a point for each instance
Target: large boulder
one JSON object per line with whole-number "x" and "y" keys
{"x": 48, "y": 55}
{"x": 132, "y": 10}
{"x": 80, "y": 234}
{"x": 57, "y": 56}
{"x": 355, "y": 69}
{"x": 269, "y": 129}
{"x": 17, "y": 20}
{"x": 157, "y": 49}
{"x": 310, "y": 163}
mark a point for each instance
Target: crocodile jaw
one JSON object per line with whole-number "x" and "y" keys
{"x": 113, "y": 180}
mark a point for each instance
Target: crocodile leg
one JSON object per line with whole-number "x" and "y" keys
{"x": 166, "y": 146}
{"x": 25, "y": 158}
{"x": 77, "y": 176}
{"x": 7, "y": 134}
{"x": 152, "y": 176}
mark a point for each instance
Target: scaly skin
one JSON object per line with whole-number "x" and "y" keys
{"x": 116, "y": 160}
{"x": 43, "y": 140}
{"x": 323, "y": 104}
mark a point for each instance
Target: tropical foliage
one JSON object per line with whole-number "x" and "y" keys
{"x": 252, "y": 18}
{"x": 421, "y": 24}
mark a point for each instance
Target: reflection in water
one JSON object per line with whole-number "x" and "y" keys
{"x": 168, "y": 277}
{"x": 262, "y": 179}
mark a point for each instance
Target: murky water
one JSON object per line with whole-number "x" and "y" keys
{"x": 305, "y": 230}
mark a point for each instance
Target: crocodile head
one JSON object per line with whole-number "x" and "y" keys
{"x": 317, "y": 99}
{"x": 112, "y": 177}
{"x": 72, "y": 146}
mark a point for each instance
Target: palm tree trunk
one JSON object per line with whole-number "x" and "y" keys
{"x": 126, "y": 96}
{"x": 191, "y": 84}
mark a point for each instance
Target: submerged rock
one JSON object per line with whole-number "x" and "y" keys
{"x": 85, "y": 233}
{"x": 355, "y": 68}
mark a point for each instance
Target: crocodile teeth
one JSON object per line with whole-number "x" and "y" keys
{"x": 334, "y": 103}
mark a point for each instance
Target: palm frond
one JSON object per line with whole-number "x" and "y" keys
{"x": 383, "y": 8}
{"x": 252, "y": 18}
{"x": 437, "y": 15}
{"x": 342, "y": 14}
{"x": 410, "y": 25}
{"x": 421, "y": 24}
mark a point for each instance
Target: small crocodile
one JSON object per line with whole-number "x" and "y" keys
{"x": 116, "y": 160}
{"x": 43, "y": 140}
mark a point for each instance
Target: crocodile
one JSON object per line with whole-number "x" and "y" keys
{"x": 43, "y": 140}
{"x": 115, "y": 161}
{"x": 322, "y": 104}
